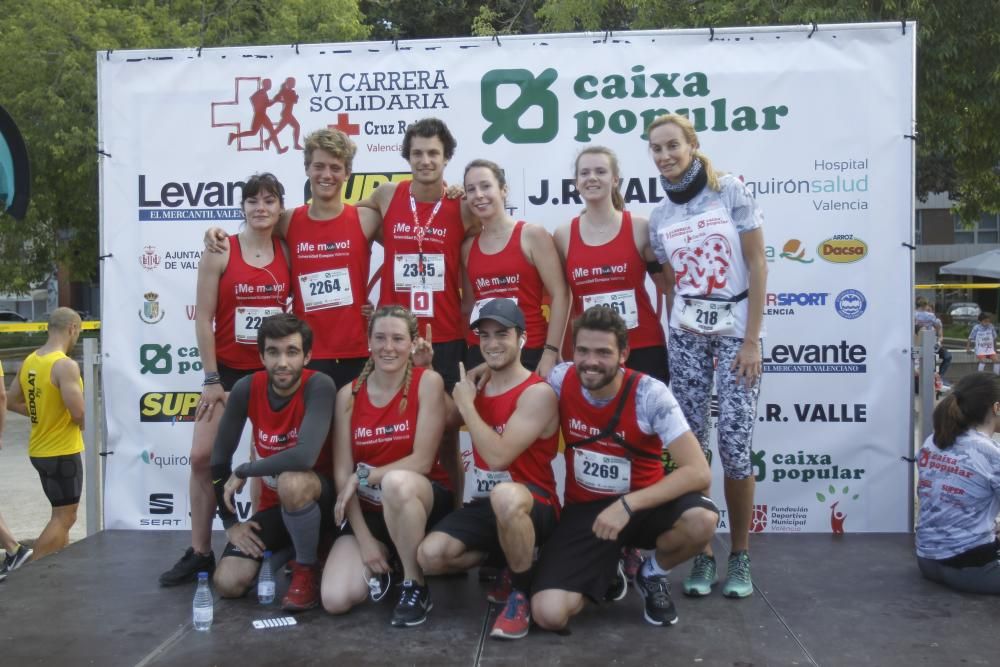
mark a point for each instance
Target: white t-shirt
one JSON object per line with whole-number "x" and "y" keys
{"x": 701, "y": 241}
{"x": 959, "y": 493}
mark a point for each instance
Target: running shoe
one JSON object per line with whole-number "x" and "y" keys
{"x": 515, "y": 619}
{"x": 303, "y": 590}
{"x": 16, "y": 559}
{"x": 501, "y": 587}
{"x": 619, "y": 584}
{"x": 414, "y": 605}
{"x": 738, "y": 583}
{"x": 655, "y": 590}
{"x": 187, "y": 568}
{"x": 702, "y": 577}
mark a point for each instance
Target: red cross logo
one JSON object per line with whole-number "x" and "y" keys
{"x": 345, "y": 125}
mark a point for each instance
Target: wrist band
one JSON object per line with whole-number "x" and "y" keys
{"x": 551, "y": 347}
{"x": 628, "y": 510}
{"x": 211, "y": 380}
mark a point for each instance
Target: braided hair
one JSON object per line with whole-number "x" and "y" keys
{"x": 411, "y": 325}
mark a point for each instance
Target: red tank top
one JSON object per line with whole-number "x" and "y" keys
{"x": 604, "y": 469}
{"x": 509, "y": 274}
{"x": 247, "y": 294}
{"x": 442, "y": 258}
{"x": 533, "y": 466}
{"x": 330, "y": 261}
{"x": 384, "y": 435}
{"x": 617, "y": 270}
{"x": 274, "y": 432}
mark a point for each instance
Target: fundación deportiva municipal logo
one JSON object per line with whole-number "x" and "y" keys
{"x": 256, "y": 117}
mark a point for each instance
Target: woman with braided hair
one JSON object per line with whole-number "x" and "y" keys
{"x": 387, "y": 428}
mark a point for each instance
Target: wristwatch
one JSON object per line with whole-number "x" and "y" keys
{"x": 363, "y": 472}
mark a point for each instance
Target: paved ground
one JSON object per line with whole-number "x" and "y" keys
{"x": 22, "y": 503}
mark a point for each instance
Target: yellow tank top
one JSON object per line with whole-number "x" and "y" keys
{"x": 53, "y": 432}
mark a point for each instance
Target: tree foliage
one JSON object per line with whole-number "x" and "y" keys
{"x": 48, "y": 84}
{"x": 958, "y": 71}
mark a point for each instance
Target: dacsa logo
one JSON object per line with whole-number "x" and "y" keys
{"x": 842, "y": 249}
{"x": 168, "y": 406}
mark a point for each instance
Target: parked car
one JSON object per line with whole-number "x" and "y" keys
{"x": 963, "y": 312}
{"x": 11, "y": 316}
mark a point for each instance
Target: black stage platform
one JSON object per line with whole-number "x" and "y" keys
{"x": 820, "y": 600}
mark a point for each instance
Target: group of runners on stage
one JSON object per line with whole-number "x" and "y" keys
{"x": 355, "y": 410}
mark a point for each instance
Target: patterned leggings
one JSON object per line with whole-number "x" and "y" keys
{"x": 692, "y": 366}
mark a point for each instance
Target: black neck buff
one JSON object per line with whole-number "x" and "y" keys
{"x": 693, "y": 181}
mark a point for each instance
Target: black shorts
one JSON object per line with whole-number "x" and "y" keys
{"x": 444, "y": 502}
{"x": 62, "y": 478}
{"x": 530, "y": 356}
{"x": 230, "y": 376}
{"x": 576, "y": 560}
{"x": 341, "y": 371}
{"x": 446, "y": 358}
{"x": 651, "y": 361}
{"x": 475, "y": 525}
{"x": 273, "y": 533}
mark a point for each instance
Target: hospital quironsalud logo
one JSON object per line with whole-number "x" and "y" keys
{"x": 151, "y": 312}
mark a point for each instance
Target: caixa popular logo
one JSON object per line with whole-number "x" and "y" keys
{"x": 188, "y": 201}
{"x": 168, "y": 406}
{"x": 157, "y": 359}
{"x": 610, "y": 101}
{"x": 842, "y": 249}
{"x": 257, "y": 118}
{"x": 842, "y": 357}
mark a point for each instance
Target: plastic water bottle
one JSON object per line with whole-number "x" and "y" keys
{"x": 202, "y": 607}
{"x": 265, "y": 581}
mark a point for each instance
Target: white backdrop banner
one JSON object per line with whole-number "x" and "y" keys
{"x": 815, "y": 123}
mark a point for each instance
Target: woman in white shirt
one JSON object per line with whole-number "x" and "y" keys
{"x": 959, "y": 489}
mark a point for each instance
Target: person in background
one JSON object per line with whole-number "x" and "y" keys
{"x": 49, "y": 391}
{"x": 984, "y": 337}
{"x": 924, "y": 318}
{"x": 15, "y": 553}
{"x": 959, "y": 489}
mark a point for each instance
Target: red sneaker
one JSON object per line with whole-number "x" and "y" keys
{"x": 501, "y": 588}
{"x": 633, "y": 560}
{"x": 515, "y": 619}
{"x": 303, "y": 591}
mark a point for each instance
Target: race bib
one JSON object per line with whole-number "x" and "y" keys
{"x": 485, "y": 480}
{"x": 622, "y": 302}
{"x": 409, "y": 274}
{"x": 248, "y": 322}
{"x": 603, "y": 473}
{"x": 370, "y": 494}
{"x": 482, "y": 302}
{"x": 707, "y": 317}
{"x": 422, "y": 302}
{"x": 326, "y": 289}
{"x": 985, "y": 345}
